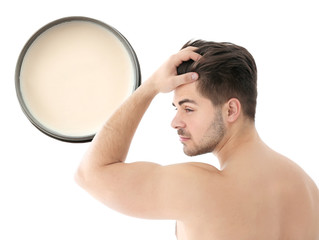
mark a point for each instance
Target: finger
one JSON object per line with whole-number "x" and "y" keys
{"x": 190, "y": 53}
{"x": 187, "y": 54}
{"x": 195, "y": 56}
{"x": 185, "y": 78}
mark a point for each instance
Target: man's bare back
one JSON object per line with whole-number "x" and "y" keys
{"x": 269, "y": 197}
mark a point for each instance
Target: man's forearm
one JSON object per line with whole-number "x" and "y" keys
{"x": 112, "y": 142}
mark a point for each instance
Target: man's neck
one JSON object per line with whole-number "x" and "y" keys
{"x": 237, "y": 142}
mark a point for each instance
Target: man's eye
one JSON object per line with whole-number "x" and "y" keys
{"x": 189, "y": 110}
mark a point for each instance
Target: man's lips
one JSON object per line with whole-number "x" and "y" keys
{"x": 183, "y": 138}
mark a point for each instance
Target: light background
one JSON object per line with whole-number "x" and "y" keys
{"x": 38, "y": 197}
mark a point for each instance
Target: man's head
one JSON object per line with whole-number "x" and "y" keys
{"x": 226, "y": 71}
{"x": 226, "y": 89}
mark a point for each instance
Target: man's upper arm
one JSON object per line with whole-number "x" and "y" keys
{"x": 148, "y": 190}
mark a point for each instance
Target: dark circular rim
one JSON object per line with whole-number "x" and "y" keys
{"x": 32, "y": 119}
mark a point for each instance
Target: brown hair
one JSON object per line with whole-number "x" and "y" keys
{"x": 225, "y": 71}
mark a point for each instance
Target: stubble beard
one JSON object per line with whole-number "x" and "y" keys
{"x": 209, "y": 142}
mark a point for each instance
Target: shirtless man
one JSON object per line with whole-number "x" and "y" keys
{"x": 256, "y": 194}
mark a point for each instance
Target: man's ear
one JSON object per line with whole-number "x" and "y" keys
{"x": 233, "y": 107}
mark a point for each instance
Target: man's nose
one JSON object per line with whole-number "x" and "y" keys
{"x": 177, "y": 122}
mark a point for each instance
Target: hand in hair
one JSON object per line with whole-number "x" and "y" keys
{"x": 166, "y": 79}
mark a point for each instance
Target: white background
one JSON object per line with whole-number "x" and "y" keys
{"x": 38, "y": 197}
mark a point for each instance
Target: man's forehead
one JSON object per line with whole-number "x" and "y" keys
{"x": 186, "y": 91}
{"x": 189, "y": 93}
{"x": 189, "y": 87}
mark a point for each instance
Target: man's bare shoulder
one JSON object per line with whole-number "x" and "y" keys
{"x": 196, "y": 168}
{"x": 202, "y": 166}
{"x": 196, "y": 177}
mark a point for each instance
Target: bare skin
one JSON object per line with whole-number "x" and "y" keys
{"x": 256, "y": 194}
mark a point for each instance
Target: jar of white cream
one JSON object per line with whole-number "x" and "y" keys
{"x": 72, "y": 74}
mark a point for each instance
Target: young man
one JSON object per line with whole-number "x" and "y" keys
{"x": 256, "y": 194}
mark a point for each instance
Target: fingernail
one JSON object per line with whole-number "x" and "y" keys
{"x": 194, "y": 76}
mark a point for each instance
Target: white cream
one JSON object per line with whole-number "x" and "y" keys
{"x": 73, "y": 77}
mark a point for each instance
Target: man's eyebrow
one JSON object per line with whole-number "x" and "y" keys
{"x": 185, "y": 101}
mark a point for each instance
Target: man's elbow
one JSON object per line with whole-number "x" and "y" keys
{"x": 88, "y": 177}
{"x": 91, "y": 181}
{"x": 83, "y": 176}
{"x": 79, "y": 177}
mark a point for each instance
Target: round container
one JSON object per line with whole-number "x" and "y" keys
{"x": 72, "y": 74}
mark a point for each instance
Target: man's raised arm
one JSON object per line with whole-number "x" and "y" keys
{"x": 103, "y": 173}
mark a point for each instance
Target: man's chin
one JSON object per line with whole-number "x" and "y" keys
{"x": 195, "y": 152}
{"x": 189, "y": 152}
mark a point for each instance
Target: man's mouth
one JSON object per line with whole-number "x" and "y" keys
{"x": 183, "y": 138}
